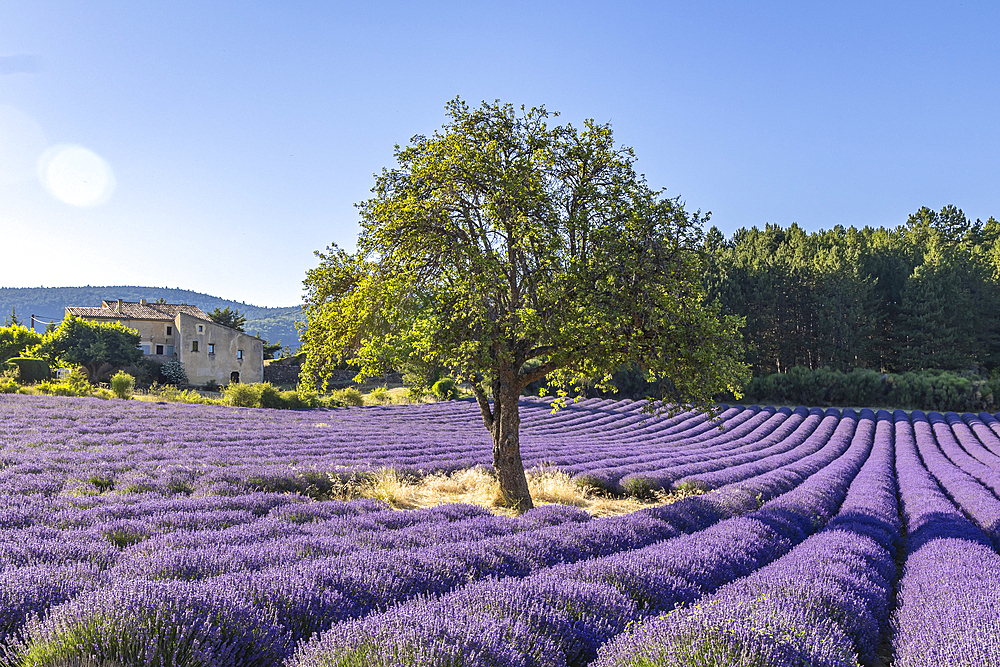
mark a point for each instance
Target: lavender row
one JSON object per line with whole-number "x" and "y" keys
{"x": 949, "y": 594}
{"x": 791, "y": 433}
{"x": 576, "y": 608}
{"x": 308, "y": 595}
{"x": 970, "y": 433}
{"x": 134, "y": 447}
{"x": 987, "y": 429}
{"x": 738, "y": 435}
{"x": 932, "y": 441}
{"x": 825, "y": 603}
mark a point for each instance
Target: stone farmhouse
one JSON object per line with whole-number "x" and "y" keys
{"x": 210, "y": 352}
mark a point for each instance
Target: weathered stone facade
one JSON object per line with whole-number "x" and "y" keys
{"x": 210, "y": 352}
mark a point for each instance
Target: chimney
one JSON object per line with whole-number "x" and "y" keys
{"x": 142, "y": 302}
{"x": 119, "y": 305}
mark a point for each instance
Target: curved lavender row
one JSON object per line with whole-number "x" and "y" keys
{"x": 966, "y": 429}
{"x": 949, "y": 594}
{"x": 954, "y": 445}
{"x": 637, "y": 447}
{"x": 643, "y": 447}
{"x": 497, "y": 556}
{"x": 682, "y": 569}
{"x": 199, "y": 555}
{"x": 239, "y": 551}
{"x": 360, "y": 583}
{"x": 745, "y": 442}
{"x": 987, "y": 438}
{"x": 811, "y": 444}
{"x": 989, "y": 435}
{"x": 153, "y": 623}
{"x": 217, "y": 440}
{"x": 579, "y": 607}
{"x": 738, "y": 437}
{"x": 634, "y": 409}
{"x": 825, "y": 603}
{"x": 799, "y": 424}
{"x": 559, "y": 623}
{"x": 970, "y": 495}
{"x": 430, "y": 636}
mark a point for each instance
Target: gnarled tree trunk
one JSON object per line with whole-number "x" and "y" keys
{"x": 503, "y": 422}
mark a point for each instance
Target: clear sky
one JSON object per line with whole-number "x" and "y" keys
{"x": 214, "y": 146}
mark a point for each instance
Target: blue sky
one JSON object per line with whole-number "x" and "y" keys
{"x": 222, "y": 143}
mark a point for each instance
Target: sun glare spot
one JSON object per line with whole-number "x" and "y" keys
{"x": 75, "y": 175}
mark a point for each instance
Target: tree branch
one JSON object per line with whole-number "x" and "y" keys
{"x": 484, "y": 403}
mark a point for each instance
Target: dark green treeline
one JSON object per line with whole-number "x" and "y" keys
{"x": 925, "y": 295}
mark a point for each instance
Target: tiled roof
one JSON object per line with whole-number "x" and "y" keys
{"x": 138, "y": 311}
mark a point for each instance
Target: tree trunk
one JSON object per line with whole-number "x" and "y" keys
{"x": 507, "y": 445}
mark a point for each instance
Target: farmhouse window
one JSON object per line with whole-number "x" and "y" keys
{"x": 239, "y": 354}
{"x": 159, "y": 349}
{"x": 194, "y": 346}
{"x": 211, "y": 348}
{"x": 200, "y": 328}
{"x": 170, "y": 331}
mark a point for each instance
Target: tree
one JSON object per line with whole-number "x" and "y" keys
{"x": 11, "y": 320}
{"x": 99, "y": 347}
{"x": 14, "y": 339}
{"x": 270, "y": 349}
{"x": 228, "y": 318}
{"x": 508, "y": 251}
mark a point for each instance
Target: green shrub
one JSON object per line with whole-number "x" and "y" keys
{"x": 8, "y": 385}
{"x": 15, "y": 339}
{"x": 173, "y": 372}
{"x": 348, "y": 396}
{"x": 924, "y": 390}
{"x": 270, "y": 396}
{"x": 31, "y": 370}
{"x": 253, "y": 395}
{"x": 306, "y": 397}
{"x": 75, "y": 384}
{"x": 242, "y": 395}
{"x": 445, "y": 389}
{"x": 174, "y": 395}
{"x": 380, "y": 396}
{"x": 292, "y": 400}
{"x": 78, "y": 382}
{"x": 417, "y": 393}
{"x": 122, "y": 385}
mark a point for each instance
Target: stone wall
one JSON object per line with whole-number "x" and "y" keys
{"x": 277, "y": 374}
{"x": 280, "y": 374}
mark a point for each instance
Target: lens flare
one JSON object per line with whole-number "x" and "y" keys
{"x": 75, "y": 175}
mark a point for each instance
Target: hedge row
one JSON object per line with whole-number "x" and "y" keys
{"x": 923, "y": 390}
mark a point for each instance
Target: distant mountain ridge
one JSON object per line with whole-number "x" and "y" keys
{"x": 49, "y": 303}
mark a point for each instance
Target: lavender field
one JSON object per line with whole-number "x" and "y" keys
{"x": 164, "y": 534}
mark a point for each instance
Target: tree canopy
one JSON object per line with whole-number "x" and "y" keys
{"x": 97, "y": 346}
{"x": 923, "y": 295}
{"x": 228, "y": 318}
{"x": 14, "y": 339}
{"x": 507, "y": 250}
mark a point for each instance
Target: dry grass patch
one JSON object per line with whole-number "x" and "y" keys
{"x": 478, "y": 486}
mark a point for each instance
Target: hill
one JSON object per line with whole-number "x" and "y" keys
{"x": 49, "y": 303}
